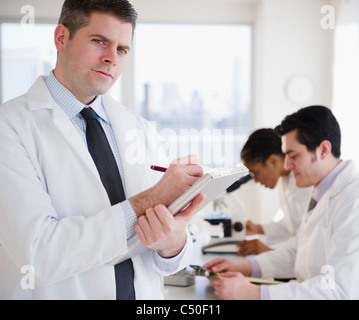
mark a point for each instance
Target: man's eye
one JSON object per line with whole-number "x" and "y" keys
{"x": 122, "y": 51}
{"x": 100, "y": 42}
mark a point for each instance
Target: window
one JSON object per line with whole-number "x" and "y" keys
{"x": 194, "y": 83}
{"x": 27, "y": 52}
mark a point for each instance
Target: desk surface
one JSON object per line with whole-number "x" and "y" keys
{"x": 202, "y": 288}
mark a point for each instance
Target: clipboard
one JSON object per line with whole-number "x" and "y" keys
{"x": 211, "y": 184}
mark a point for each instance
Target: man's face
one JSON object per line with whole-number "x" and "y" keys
{"x": 91, "y": 62}
{"x": 306, "y": 165}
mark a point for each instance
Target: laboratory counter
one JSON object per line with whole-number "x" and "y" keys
{"x": 202, "y": 288}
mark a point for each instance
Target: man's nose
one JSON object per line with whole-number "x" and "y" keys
{"x": 110, "y": 56}
{"x": 288, "y": 163}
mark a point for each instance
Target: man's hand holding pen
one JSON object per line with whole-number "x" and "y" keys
{"x": 157, "y": 228}
{"x": 178, "y": 178}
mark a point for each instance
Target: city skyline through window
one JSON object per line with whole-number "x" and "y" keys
{"x": 194, "y": 82}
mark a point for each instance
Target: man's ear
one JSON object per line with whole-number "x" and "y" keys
{"x": 325, "y": 149}
{"x": 62, "y": 35}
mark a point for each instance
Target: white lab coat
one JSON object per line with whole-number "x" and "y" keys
{"x": 294, "y": 203}
{"x": 55, "y": 215}
{"x": 324, "y": 256}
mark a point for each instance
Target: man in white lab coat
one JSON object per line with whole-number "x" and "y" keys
{"x": 324, "y": 256}
{"x": 60, "y": 236}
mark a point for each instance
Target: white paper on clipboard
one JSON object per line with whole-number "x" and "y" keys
{"x": 211, "y": 184}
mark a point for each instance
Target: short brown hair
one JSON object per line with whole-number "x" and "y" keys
{"x": 75, "y": 14}
{"x": 314, "y": 124}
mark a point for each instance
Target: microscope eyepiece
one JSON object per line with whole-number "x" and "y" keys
{"x": 239, "y": 182}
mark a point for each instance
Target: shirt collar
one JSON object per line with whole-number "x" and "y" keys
{"x": 98, "y": 107}
{"x": 68, "y": 102}
{"x": 328, "y": 181}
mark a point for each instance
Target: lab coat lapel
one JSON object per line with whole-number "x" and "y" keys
{"x": 320, "y": 209}
{"x": 124, "y": 125}
{"x": 39, "y": 98}
{"x": 339, "y": 183}
{"x": 67, "y": 129}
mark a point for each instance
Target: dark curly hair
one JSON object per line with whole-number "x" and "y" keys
{"x": 260, "y": 145}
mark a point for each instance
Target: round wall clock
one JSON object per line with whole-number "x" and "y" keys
{"x": 299, "y": 90}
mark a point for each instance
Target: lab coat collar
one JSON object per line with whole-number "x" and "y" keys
{"x": 347, "y": 173}
{"x": 328, "y": 181}
{"x": 124, "y": 124}
{"x": 38, "y": 96}
{"x": 350, "y": 172}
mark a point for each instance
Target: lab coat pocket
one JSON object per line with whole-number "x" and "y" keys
{"x": 312, "y": 251}
{"x": 318, "y": 250}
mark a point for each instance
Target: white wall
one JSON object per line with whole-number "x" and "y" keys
{"x": 290, "y": 41}
{"x": 346, "y": 72}
{"x": 196, "y": 11}
{"x": 165, "y": 11}
{"x": 45, "y": 10}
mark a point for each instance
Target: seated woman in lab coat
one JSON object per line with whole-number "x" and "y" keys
{"x": 262, "y": 155}
{"x": 324, "y": 255}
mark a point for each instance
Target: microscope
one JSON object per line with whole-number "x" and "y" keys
{"x": 229, "y": 212}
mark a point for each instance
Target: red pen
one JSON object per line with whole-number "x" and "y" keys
{"x": 157, "y": 168}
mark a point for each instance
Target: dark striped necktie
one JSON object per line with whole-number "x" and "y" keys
{"x": 311, "y": 206}
{"x": 106, "y": 165}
